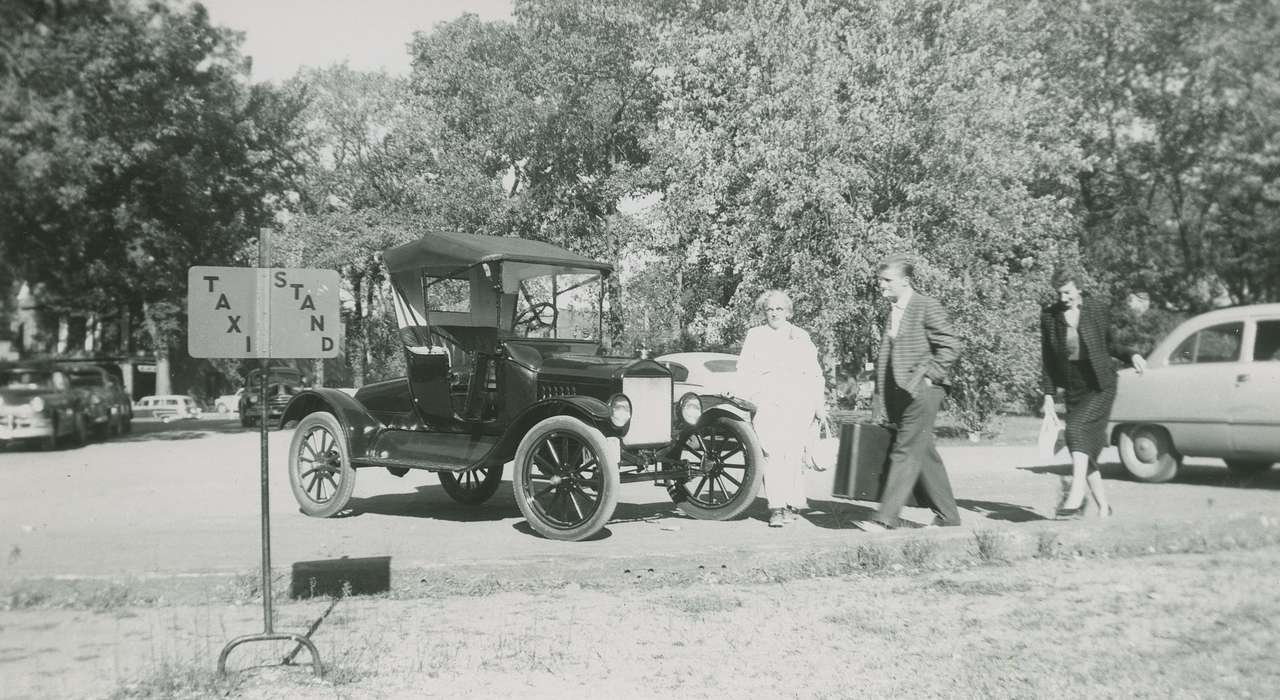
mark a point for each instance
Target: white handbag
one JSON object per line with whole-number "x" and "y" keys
{"x": 819, "y": 451}
{"x": 1050, "y": 442}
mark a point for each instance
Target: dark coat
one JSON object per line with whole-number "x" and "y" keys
{"x": 1097, "y": 345}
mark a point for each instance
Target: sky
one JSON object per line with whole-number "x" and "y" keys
{"x": 284, "y": 35}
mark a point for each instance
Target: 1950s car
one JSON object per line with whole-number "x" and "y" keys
{"x": 505, "y": 366}
{"x": 107, "y": 408}
{"x": 1211, "y": 389}
{"x": 282, "y": 384}
{"x": 38, "y": 404}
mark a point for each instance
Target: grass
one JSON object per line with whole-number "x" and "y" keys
{"x": 991, "y": 546}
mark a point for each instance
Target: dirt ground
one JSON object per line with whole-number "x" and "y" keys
{"x": 1166, "y": 625}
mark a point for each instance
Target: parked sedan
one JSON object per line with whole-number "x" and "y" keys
{"x": 107, "y": 407}
{"x": 1211, "y": 389}
{"x": 37, "y": 404}
{"x": 167, "y": 407}
{"x": 702, "y": 372}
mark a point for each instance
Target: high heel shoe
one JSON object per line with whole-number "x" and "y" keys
{"x": 1109, "y": 512}
{"x": 1064, "y": 513}
{"x": 1069, "y": 513}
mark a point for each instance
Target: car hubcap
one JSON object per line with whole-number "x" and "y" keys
{"x": 319, "y": 465}
{"x": 1145, "y": 447}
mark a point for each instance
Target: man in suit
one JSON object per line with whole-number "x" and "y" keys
{"x": 912, "y": 377}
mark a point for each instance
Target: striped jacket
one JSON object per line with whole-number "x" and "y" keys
{"x": 926, "y": 346}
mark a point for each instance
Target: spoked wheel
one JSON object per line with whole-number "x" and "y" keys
{"x": 566, "y": 484}
{"x": 724, "y": 457}
{"x": 473, "y": 486}
{"x": 320, "y": 470}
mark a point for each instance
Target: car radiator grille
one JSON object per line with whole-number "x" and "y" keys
{"x": 650, "y": 410}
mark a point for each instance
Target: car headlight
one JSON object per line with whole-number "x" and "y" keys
{"x": 619, "y": 410}
{"x": 690, "y": 408}
{"x": 36, "y": 404}
{"x": 253, "y": 398}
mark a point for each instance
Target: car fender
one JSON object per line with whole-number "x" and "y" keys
{"x": 356, "y": 422}
{"x": 587, "y": 409}
{"x": 730, "y": 406}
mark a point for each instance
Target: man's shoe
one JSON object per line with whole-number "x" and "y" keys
{"x": 871, "y": 526}
{"x": 939, "y": 521}
{"x": 777, "y": 517}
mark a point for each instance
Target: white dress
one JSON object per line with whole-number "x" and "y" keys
{"x": 778, "y": 371}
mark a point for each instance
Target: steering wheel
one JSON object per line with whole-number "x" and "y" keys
{"x": 540, "y": 315}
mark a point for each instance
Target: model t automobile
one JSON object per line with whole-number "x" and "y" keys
{"x": 502, "y": 344}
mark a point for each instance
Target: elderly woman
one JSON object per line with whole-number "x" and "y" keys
{"x": 778, "y": 371}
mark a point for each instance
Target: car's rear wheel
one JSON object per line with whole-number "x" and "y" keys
{"x": 566, "y": 483}
{"x": 1148, "y": 453}
{"x": 474, "y": 486}
{"x": 1247, "y": 467}
{"x": 725, "y": 458}
{"x": 49, "y": 442}
{"x": 320, "y": 471}
{"x": 80, "y": 430}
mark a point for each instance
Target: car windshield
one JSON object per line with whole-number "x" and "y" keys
{"x": 559, "y": 306}
{"x": 26, "y": 379}
{"x": 722, "y": 366}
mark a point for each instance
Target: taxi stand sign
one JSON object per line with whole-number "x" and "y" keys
{"x": 226, "y": 316}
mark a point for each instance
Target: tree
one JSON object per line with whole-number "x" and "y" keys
{"x": 802, "y": 142}
{"x": 1178, "y": 110}
{"x": 557, "y": 105}
{"x": 132, "y": 148}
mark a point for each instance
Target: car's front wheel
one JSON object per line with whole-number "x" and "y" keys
{"x": 320, "y": 471}
{"x": 566, "y": 483}
{"x": 474, "y": 486}
{"x": 1247, "y": 467}
{"x": 80, "y": 430}
{"x": 1148, "y": 453}
{"x": 723, "y": 455}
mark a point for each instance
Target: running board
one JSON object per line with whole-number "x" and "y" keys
{"x": 420, "y": 449}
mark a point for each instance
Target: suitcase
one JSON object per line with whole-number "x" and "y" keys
{"x": 862, "y": 462}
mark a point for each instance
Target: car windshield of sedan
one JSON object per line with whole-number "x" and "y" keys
{"x": 26, "y": 379}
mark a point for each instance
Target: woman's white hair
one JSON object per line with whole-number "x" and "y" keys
{"x": 762, "y": 301}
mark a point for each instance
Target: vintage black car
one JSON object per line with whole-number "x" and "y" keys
{"x": 502, "y": 344}
{"x": 283, "y": 383}
{"x": 107, "y": 407}
{"x": 39, "y": 405}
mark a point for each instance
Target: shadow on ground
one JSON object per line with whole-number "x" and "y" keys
{"x": 1188, "y": 475}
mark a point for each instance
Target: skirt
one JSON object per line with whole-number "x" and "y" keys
{"x": 1088, "y": 409}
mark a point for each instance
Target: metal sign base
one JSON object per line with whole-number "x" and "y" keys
{"x": 270, "y": 637}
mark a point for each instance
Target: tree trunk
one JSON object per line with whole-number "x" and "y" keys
{"x": 164, "y": 382}
{"x": 355, "y": 334}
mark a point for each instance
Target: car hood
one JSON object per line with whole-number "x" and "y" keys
{"x": 599, "y": 368}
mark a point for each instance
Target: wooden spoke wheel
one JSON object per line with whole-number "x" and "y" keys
{"x": 474, "y": 486}
{"x": 566, "y": 484}
{"x": 725, "y": 458}
{"x": 320, "y": 471}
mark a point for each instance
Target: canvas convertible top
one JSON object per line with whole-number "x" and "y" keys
{"x": 445, "y": 253}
